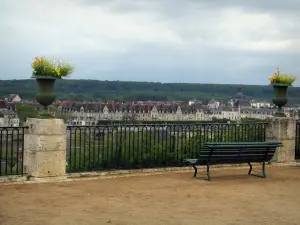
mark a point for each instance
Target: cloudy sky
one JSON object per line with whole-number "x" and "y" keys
{"x": 194, "y": 41}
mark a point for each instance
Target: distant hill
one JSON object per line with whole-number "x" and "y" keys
{"x": 121, "y": 90}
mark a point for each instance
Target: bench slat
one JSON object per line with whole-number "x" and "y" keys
{"x": 243, "y": 143}
{"x": 240, "y": 146}
{"x": 246, "y": 151}
{"x": 229, "y": 160}
{"x": 236, "y": 149}
{"x": 231, "y": 155}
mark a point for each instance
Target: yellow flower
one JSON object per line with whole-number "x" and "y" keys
{"x": 57, "y": 71}
{"x": 44, "y": 66}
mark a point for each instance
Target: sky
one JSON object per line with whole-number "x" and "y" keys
{"x": 189, "y": 41}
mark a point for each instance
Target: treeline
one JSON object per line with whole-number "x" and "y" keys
{"x": 92, "y": 90}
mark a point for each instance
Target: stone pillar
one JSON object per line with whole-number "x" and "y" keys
{"x": 45, "y": 148}
{"x": 282, "y": 129}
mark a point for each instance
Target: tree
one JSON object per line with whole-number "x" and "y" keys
{"x": 77, "y": 89}
{"x": 26, "y": 111}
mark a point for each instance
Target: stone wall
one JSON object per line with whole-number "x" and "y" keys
{"x": 45, "y": 144}
{"x": 282, "y": 129}
{"x": 45, "y": 148}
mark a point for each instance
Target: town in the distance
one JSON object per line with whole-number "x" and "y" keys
{"x": 14, "y": 110}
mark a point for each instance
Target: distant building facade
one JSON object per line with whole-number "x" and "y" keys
{"x": 89, "y": 114}
{"x": 79, "y": 113}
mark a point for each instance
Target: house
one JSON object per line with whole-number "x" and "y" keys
{"x": 260, "y": 104}
{"x": 239, "y": 100}
{"x": 9, "y": 118}
{"x": 13, "y": 98}
{"x": 194, "y": 101}
{"x": 213, "y": 104}
{"x": 289, "y": 107}
{"x": 242, "y": 103}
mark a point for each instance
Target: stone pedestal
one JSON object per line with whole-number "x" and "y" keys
{"x": 45, "y": 148}
{"x": 282, "y": 129}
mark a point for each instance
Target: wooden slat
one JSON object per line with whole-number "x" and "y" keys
{"x": 225, "y": 151}
{"x": 258, "y": 151}
{"x": 243, "y": 143}
{"x": 236, "y": 160}
{"x": 239, "y": 146}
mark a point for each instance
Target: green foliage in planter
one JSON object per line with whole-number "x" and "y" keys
{"x": 285, "y": 79}
{"x": 45, "y": 67}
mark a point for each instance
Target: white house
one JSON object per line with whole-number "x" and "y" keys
{"x": 13, "y": 98}
{"x": 260, "y": 104}
{"x": 213, "y": 104}
{"x": 9, "y": 119}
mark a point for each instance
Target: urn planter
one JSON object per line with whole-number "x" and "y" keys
{"x": 45, "y": 95}
{"x": 280, "y": 97}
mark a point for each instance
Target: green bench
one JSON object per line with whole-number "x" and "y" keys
{"x": 234, "y": 153}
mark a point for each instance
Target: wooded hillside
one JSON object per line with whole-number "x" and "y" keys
{"x": 120, "y": 90}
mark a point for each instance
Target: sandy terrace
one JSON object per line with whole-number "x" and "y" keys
{"x": 171, "y": 198}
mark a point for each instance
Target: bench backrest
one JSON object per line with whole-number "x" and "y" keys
{"x": 238, "y": 152}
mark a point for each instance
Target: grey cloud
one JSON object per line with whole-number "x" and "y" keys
{"x": 152, "y": 63}
{"x": 203, "y": 57}
{"x": 273, "y": 6}
{"x": 287, "y": 13}
{"x": 180, "y": 7}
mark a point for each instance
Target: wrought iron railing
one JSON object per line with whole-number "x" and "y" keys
{"x": 11, "y": 150}
{"x": 146, "y": 146}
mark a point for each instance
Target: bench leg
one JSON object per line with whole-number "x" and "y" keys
{"x": 263, "y": 173}
{"x": 208, "y": 172}
{"x": 264, "y": 170}
{"x": 250, "y": 169}
{"x": 195, "y": 168}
